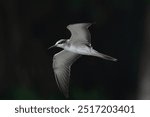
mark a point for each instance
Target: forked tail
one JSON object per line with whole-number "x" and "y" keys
{"x": 103, "y": 56}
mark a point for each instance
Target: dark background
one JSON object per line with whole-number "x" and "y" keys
{"x": 29, "y": 27}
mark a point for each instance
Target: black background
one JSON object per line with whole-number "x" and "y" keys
{"x": 29, "y": 27}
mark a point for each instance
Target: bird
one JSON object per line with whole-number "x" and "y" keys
{"x": 73, "y": 48}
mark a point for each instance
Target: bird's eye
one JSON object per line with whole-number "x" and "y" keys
{"x": 61, "y": 42}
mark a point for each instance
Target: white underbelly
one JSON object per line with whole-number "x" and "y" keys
{"x": 84, "y": 50}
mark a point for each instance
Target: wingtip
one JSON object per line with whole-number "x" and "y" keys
{"x": 106, "y": 57}
{"x": 66, "y": 93}
{"x": 86, "y": 24}
{"x": 67, "y": 96}
{"x": 111, "y": 59}
{"x": 114, "y": 59}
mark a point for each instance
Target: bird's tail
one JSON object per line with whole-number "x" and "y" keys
{"x": 103, "y": 56}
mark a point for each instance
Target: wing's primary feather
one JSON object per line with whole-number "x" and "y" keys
{"x": 80, "y": 33}
{"x": 62, "y": 62}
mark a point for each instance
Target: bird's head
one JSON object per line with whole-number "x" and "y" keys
{"x": 59, "y": 43}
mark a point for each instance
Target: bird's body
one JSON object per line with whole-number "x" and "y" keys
{"x": 78, "y": 44}
{"x": 78, "y": 49}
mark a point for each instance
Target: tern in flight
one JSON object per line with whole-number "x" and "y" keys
{"x": 78, "y": 44}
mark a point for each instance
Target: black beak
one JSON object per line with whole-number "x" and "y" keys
{"x": 52, "y": 47}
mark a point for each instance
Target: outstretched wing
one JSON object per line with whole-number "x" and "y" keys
{"x": 80, "y": 33}
{"x": 62, "y": 62}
